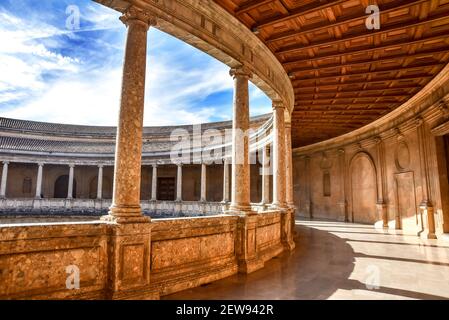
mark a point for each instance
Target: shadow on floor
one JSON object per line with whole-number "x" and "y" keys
{"x": 320, "y": 262}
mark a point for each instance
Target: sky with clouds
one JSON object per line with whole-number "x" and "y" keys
{"x": 54, "y": 69}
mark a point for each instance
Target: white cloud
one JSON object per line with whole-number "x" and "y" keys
{"x": 178, "y": 84}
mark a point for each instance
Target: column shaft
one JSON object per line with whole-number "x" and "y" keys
{"x": 70, "y": 186}
{"x": 240, "y": 190}
{"x": 265, "y": 175}
{"x": 225, "y": 181}
{"x": 203, "y": 182}
{"x": 288, "y": 166}
{"x": 278, "y": 155}
{"x": 4, "y": 179}
{"x": 40, "y": 167}
{"x": 128, "y": 152}
{"x": 154, "y": 183}
{"x": 100, "y": 182}
{"x": 179, "y": 184}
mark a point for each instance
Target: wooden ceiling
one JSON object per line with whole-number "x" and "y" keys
{"x": 345, "y": 75}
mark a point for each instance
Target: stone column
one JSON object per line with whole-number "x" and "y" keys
{"x": 154, "y": 183}
{"x": 130, "y": 238}
{"x": 179, "y": 183}
{"x": 40, "y": 167}
{"x": 4, "y": 179}
{"x": 70, "y": 186}
{"x": 128, "y": 152}
{"x": 240, "y": 190}
{"x": 265, "y": 175}
{"x": 426, "y": 206}
{"x": 279, "y": 170}
{"x": 100, "y": 182}
{"x": 288, "y": 165}
{"x": 289, "y": 177}
{"x": 203, "y": 182}
{"x": 342, "y": 169}
{"x": 225, "y": 181}
{"x": 381, "y": 204}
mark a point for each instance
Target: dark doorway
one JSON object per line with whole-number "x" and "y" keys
{"x": 166, "y": 189}
{"x": 62, "y": 185}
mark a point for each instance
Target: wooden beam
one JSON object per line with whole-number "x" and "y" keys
{"x": 252, "y": 5}
{"x": 364, "y": 90}
{"x": 299, "y": 12}
{"x": 384, "y": 9}
{"x": 396, "y": 69}
{"x": 364, "y": 62}
{"x": 363, "y": 81}
{"x": 298, "y": 99}
{"x": 370, "y": 33}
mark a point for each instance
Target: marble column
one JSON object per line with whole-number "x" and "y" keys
{"x": 130, "y": 238}
{"x": 100, "y": 182}
{"x": 203, "y": 182}
{"x": 70, "y": 186}
{"x": 278, "y": 151}
{"x": 154, "y": 183}
{"x": 426, "y": 206}
{"x": 4, "y": 179}
{"x": 288, "y": 166}
{"x": 225, "y": 181}
{"x": 40, "y": 167}
{"x": 128, "y": 152}
{"x": 179, "y": 183}
{"x": 265, "y": 175}
{"x": 240, "y": 190}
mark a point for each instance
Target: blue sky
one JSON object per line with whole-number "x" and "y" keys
{"x": 51, "y": 70}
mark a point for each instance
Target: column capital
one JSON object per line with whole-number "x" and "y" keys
{"x": 100, "y": 165}
{"x": 71, "y": 165}
{"x": 154, "y": 165}
{"x": 242, "y": 71}
{"x": 278, "y": 104}
{"x": 6, "y": 162}
{"x": 40, "y": 164}
{"x": 288, "y": 125}
{"x": 135, "y": 15}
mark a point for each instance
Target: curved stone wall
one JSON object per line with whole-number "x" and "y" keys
{"x": 392, "y": 172}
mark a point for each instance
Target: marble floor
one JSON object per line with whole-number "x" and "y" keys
{"x": 335, "y": 260}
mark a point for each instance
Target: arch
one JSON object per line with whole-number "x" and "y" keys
{"x": 61, "y": 187}
{"x": 363, "y": 184}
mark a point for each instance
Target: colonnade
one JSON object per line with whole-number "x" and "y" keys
{"x": 126, "y": 195}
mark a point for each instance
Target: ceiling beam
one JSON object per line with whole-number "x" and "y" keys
{"x": 364, "y": 81}
{"x": 364, "y": 90}
{"x": 252, "y": 5}
{"x": 298, "y": 99}
{"x": 384, "y": 9}
{"x": 299, "y": 12}
{"x": 377, "y": 48}
{"x": 364, "y": 62}
{"x": 396, "y": 69}
{"x": 382, "y": 31}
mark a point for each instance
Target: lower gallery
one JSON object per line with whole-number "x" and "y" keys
{"x": 340, "y": 192}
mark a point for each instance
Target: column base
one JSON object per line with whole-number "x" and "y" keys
{"x": 249, "y": 266}
{"x": 239, "y": 209}
{"x": 125, "y": 214}
{"x": 129, "y": 262}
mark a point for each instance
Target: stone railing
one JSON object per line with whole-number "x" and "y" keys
{"x": 43, "y": 261}
{"x": 97, "y": 207}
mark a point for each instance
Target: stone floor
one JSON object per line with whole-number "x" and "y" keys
{"x": 336, "y": 260}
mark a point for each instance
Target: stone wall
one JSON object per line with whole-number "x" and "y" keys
{"x": 37, "y": 261}
{"x": 392, "y": 172}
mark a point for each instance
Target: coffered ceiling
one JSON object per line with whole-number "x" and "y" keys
{"x": 344, "y": 74}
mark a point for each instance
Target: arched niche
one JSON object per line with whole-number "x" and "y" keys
{"x": 363, "y": 183}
